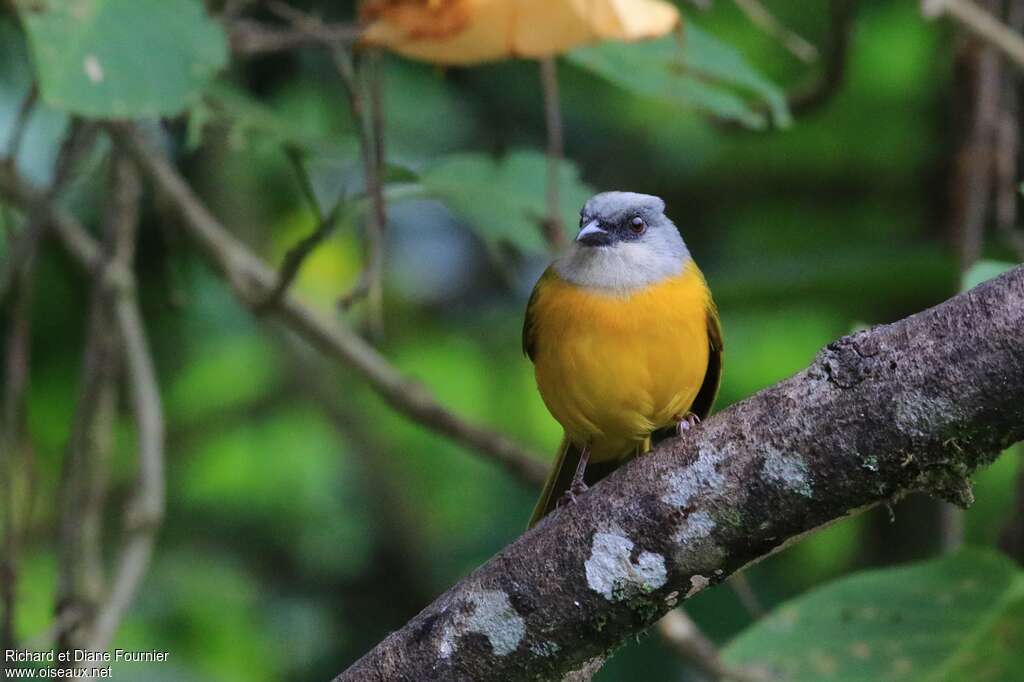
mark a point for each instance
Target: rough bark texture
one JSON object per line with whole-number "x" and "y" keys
{"x": 914, "y": 405}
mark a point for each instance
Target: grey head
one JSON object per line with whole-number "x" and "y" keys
{"x": 625, "y": 242}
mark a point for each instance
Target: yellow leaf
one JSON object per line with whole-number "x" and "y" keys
{"x": 472, "y": 31}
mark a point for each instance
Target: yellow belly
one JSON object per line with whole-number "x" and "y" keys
{"x": 613, "y": 368}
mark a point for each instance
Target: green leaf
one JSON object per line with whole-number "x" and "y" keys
{"x": 251, "y": 124}
{"x": 504, "y": 200}
{"x": 948, "y": 620}
{"x": 122, "y": 58}
{"x": 708, "y": 56}
{"x": 983, "y": 270}
{"x": 697, "y": 71}
{"x": 337, "y": 174}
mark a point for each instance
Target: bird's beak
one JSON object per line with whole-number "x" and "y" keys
{"x": 593, "y": 235}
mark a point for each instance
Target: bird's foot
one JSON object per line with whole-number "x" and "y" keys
{"x": 686, "y": 422}
{"x": 569, "y": 496}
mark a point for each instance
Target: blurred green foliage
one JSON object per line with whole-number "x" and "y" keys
{"x": 297, "y": 537}
{"x": 955, "y": 618}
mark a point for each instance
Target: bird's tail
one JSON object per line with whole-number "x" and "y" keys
{"x": 558, "y": 481}
{"x": 560, "y": 477}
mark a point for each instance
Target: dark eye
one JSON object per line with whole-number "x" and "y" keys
{"x": 637, "y": 225}
{"x": 582, "y": 220}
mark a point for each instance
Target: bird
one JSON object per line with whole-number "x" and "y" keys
{"x": 625, "y": 340}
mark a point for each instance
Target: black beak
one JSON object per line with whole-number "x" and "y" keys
{"x": 593, "y": 234}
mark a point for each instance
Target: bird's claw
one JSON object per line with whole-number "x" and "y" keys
{"x": 687, "y": 422}
{"x": 569, "y": 496}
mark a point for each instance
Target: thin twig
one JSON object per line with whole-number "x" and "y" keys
{"x": 554, "y": 231}
{"x": 20, "y": 126}
{"x": 1008, "y": 147}
{"x": 295, "y": 258}
{"x": 313, "y": 27}
{"x": 145, "y": 510}
{"x": 972, "y": 181}
{"x": 370, "y": 282}
{"x": 370, "y": 131}
{"x": 760, "y": 17}
{"x": 980, "y": 22}
{"x": 79, "y": 567}
{"x": 251, "y": 38}
{"x": 86, "y": 471}
{"x": 251, "y": 278}
{"x": 838, "y": 43}
{"x": 13, "y": 445}
{"x": 369, "y": 279}
{"x": 77, "y": 141}
{"x": 685, "y": 639}
{"x": 828, "y": 80}
{"x": 297, "y": 254}
{"x": 47, "y": 638}
{"x": 744, "y": 591}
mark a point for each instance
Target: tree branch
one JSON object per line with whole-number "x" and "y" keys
{"x": 297, "y": 254}
{"x": 912, "y": 406}
{"x": 838, "y": 45}
{"x": 20, "y": 126}
{"x": 250, "y": 38}
{"x": 760, "y": 17}
{"x": 552, "y": 227}
{"x": 370, "y": 129}
{"x": 981, "y": 23}
{"x": 15, "y": 448}
{"x": 252, "y": 279}
{"x": 692, "y": 646}
{"x": 145, "y": 509}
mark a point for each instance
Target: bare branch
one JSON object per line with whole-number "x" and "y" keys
{"x": 686, "y": 640}
{"x": 145, "y": 511}
{"x": 250, "y": 38}
{"x": 743, "y": 590}
{"x": 760, "y": 17}
{"x": 15, "y": 451}
{"x": 807, "y": 98}
{"x": 20, "y": 125}
{"x": 971, "y": 185}
{"x": 83, "y": 475}
{"x": 146, "y": 507}
{"x": 371, "y": 148}
{"x": 1008, "y": 147}
{"x": 554, "y": 231}
{"x": 370, "y": 282}
{"x": 77, "y": 141}
{"x": 916, "y": 405}
{"x": 828, "y": 80}
{"x": 297, "y": 254}
{"x": 981, "y": 23}
{"x": 251, "y": 279}
{"x": 314, "y": 28}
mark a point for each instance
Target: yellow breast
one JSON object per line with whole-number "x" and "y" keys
{"x": 612, "y": 368}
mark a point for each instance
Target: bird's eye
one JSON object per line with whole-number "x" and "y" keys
{"x": 637, "y": 225}
{"x": 582, "y": 220}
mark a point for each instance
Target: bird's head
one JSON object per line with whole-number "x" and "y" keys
{"x": 625, "y": 241}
